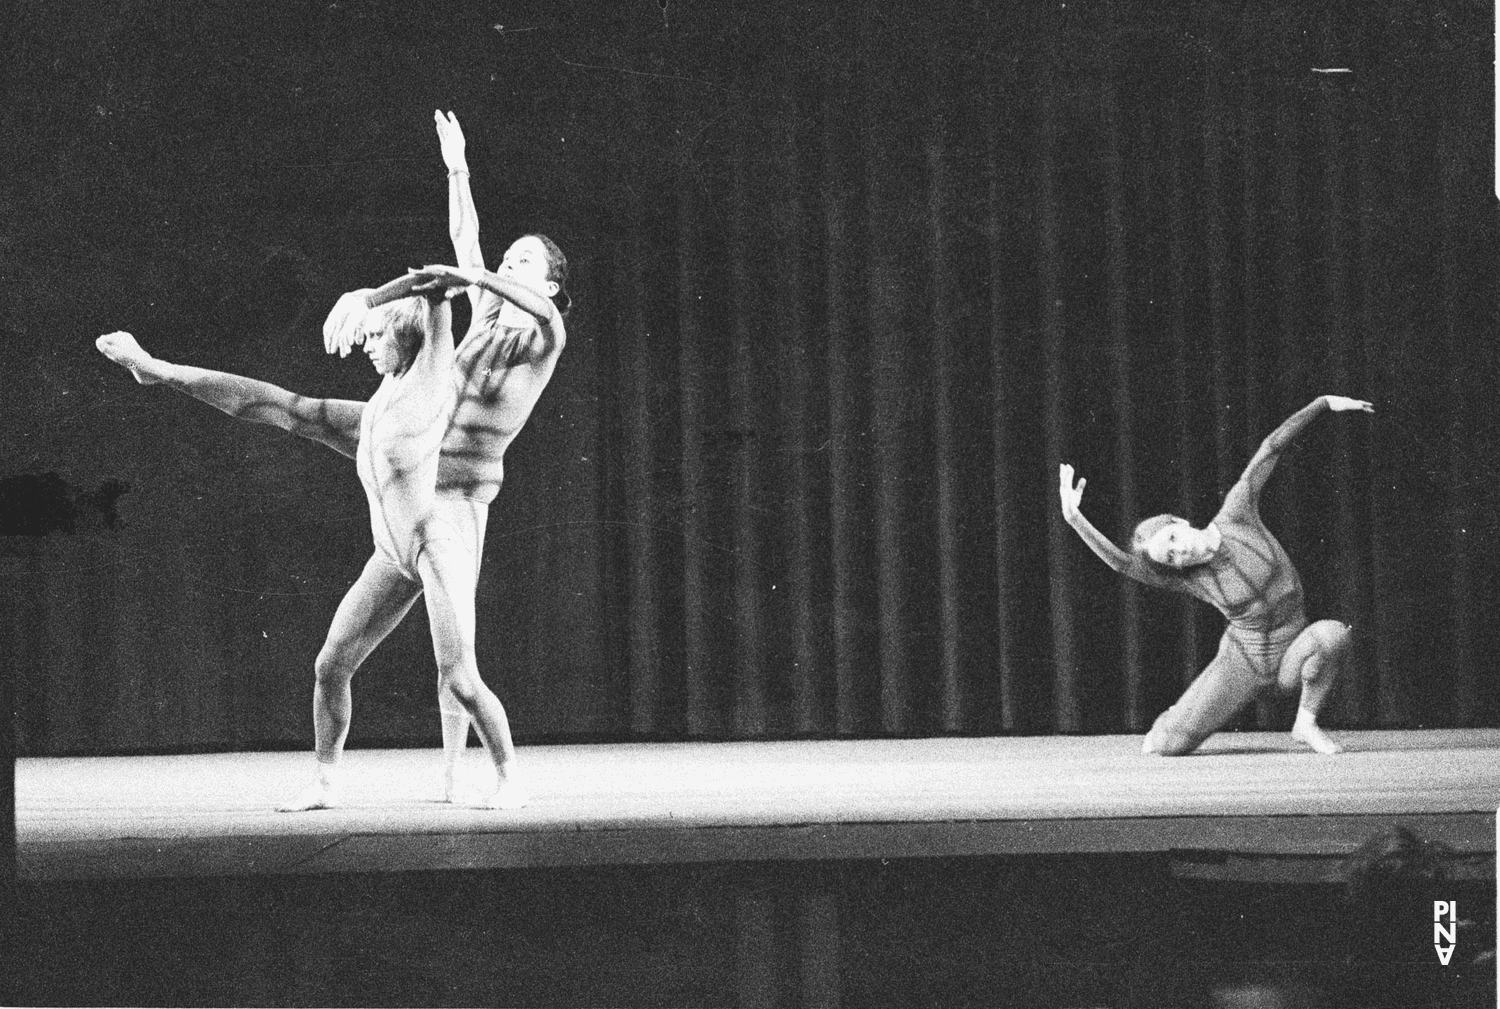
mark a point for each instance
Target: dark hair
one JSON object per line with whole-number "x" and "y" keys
{"x": 1144, "y": 530}
{"x": 557, "y": 271}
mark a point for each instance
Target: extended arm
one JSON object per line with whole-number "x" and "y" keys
{"x": 463, "y": 219}
{"x": 334, "y": 422}
{"x": 1103, "y": 547}
{"x": 344, "y": 326}
{"x": 430, "y": 375}
{"x": 1253, "y": 480}
{"x": 533, "y": 302}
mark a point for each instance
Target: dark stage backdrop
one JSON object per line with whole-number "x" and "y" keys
{"x": 849, "y": 287}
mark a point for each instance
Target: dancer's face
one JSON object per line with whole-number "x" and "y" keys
{"x": 1179, "y": 545}
{"x": 382, "y": 347}
{"x": 526, "y": 262}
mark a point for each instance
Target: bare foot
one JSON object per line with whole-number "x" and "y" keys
{"x": 1307, "y": 732}
{"x": 509, "y": 795}
{"x": 122, "y": 349}
{"x": 456, "y": 790}
{"x": 323, "y": 793}
{"x": 462, "y": 785}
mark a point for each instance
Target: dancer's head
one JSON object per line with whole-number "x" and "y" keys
{"x": 1169, "y": 542}
{"x": 536, "y": 261}
{"x": 394, "y": 333}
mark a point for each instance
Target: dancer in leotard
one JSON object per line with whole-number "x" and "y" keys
{"x": 423, "y": 542}
{"x": 500, "y": 370}
{"x": 1238, "y": 567}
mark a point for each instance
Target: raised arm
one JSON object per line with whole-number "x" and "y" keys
{"x": 334, "y": 422}
{"x": 344, "y": 326}
{"x": 430, "y": 375}
{"x": 1246, "y": 492}
{"x": 463, "y": 219}
{"x": 1125, "y": 563}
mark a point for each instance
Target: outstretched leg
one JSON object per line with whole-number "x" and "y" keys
{"x": 123, "y": 349}
{"x": 371, "y": 609}
{"x": 449, "y": 576}
{"x": 1314, "y": 660}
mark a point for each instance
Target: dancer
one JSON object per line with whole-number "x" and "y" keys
{"x": 1238, "y": 567}
{"x": 490, "y": 312}
{"x": 419, "y": 537}
{"x": 500, "y": 370}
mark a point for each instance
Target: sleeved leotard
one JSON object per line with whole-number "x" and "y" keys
{"x": 1251, "y": 580}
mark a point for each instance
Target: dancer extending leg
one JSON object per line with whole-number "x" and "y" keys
{"x": 1238, "y": 567}
{"x": 423, "y": 543}
{"x": 499, "y": 371}
{"x": 424, "y": 539}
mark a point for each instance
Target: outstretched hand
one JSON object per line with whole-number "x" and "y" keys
{"x": 1072, "y": 496}
{"x": 344, "y": 326}
{"x": 451, "y": 139}
{"x": 448, "y": 279}
{"x": 1339, "y": 404}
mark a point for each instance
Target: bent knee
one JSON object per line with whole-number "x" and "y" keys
{"x": 1166, "y": 741}
{"x": 1332, "y": 636}
{"x": 1174, "y": 744}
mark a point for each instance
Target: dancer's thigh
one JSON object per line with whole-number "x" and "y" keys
{"x": 449, "y": 579}
{"x": 1210, "y": 701}
{"x": 377, "y": 601}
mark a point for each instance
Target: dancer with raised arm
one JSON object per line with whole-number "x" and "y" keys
{"x": 492, "y": 313}
{"x": 1235, "y": 565}
{"x": 499, "y": 372}
{"x": 419, "y": 538}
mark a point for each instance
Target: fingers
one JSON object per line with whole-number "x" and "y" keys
{"x": 351, "y": 335}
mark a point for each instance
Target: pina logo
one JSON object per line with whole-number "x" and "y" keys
{"x": 1444, "y": 933}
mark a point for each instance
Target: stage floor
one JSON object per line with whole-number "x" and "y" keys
{"x": 1243, "y": 795}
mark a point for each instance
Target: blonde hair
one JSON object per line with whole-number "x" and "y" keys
{"x": 407, "y": 320}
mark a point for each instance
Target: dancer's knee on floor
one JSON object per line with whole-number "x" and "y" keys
{"x": 1170, "y": 742}
{"x": 1175, "y": 744}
